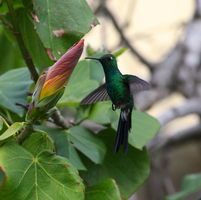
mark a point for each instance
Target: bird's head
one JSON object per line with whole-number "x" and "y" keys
{"x": 106, "y": 60}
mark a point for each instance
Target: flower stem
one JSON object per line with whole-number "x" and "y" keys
{"x": 17, "y": 33}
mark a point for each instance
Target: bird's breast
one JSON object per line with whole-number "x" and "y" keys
{"x": 119, "y": 93}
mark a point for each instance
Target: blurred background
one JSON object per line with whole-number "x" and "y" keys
{"x": 164, "y": 40}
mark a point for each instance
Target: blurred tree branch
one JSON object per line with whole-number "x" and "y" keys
{"x": 103, "y": 9}
{"x": 16, "y": 31}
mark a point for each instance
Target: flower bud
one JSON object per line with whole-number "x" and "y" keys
{"x": 51, "y": 84}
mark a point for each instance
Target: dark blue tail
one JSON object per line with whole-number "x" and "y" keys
{"x": 123, "y": 129}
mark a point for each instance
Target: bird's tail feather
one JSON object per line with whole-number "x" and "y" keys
{"x": 122, "y": 131}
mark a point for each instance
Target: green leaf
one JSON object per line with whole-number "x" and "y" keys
{"x": 73, "y": 18}
{"x": 106, "y": 190}
{"x": 82, "y": 139}
{"x": 96, "y": 70}
{"x": 82, "y": 113}
{"x": 101, "y": 113}
{"x": 80, "y": 85}
{"x": 76, "y": 92}
{"x": 130, "y": 170}
{"x": 29, "y": 177}
{"x": 4, "y": 7}
{"x": 118, "y": 53}
{"x": 144, "y": 126}
{"x": 87, "y": 142}
{"x": 11, "y": 130}
{"x": 190, "y": 184}
{"x": 10, "y": 54}
{"x": 14, "y": 85}
{"x": 75, "y": 159}
{"x": 38, "y": 142}
{"x": 32, "y": 40}
{"x": 64, "y": 147}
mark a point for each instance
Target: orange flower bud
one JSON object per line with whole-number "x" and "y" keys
{"x": 51, "y": 84}
{"x": 59, "y": 74}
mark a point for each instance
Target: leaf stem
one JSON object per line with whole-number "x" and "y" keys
{"x": 29, "y": 129}
{"x": 16, "y": 31}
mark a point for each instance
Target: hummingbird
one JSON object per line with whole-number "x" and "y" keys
{"x": 120, "y": 89}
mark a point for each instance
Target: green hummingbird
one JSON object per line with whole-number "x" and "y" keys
{"x": 120, "y": 90}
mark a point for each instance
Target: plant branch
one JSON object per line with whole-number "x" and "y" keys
{"x": 17, "y": 33}
{"x": 123, "y": 37}
{"x": 6, "y": 22}
{"x": 191, "y": 106}
{"x": 29, "y": 129}
{"x": 59, "y": 119}
{"x": 193, "y": 133}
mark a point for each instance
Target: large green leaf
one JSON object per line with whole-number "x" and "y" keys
{"x": 32, "y": 40}
{"x": 10, "y": 54}
{"x": 64, "y": 147}
{"x": 45, "y": 176}
{"x": 129, "y": 171}
{"x": 38, "y": 142}
{"x": 190, "y": 184}
{"x": 81, "y": 138}
{"x": 13, "y": 88}
{"x": 107, "y": 190}
{"x": 144, "y": 126}
{"x": 87, "y": 142}
{"x": 62, "y": 23}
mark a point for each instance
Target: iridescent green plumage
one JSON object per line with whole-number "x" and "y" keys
{"x": 120, "y": 90}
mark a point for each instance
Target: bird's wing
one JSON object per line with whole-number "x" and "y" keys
{"x": 99, "y": 94}
{"x": 136, "y": 84}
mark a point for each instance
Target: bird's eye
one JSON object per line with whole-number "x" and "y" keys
{"x": 109, "y": 58}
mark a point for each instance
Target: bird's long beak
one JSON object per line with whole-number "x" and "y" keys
{"x": 92, "y": 58}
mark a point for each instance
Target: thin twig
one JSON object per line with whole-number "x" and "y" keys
{"x": 6, "y": 22}
{"x": 121, "y": 32}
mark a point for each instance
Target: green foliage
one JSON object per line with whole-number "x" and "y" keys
{"x": 190, "y": 184}
{"x": 79, "y": 86}
{"x": 11, "y": 130}
{"x": 35, "y": 47}
{"x": 106, "y": 190}
{"x": 62, "y": 23}
{"x": 45, "y": 165}
{"x": 143, "y": 125}
{"x": 32, "y": 177}
{"x": 38, "y": 142}
{"x": 10, "y": 55}
{"x": 130, "y": 170}
{"x": 80, "y": 138}
{"x": 13, "y": 88}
